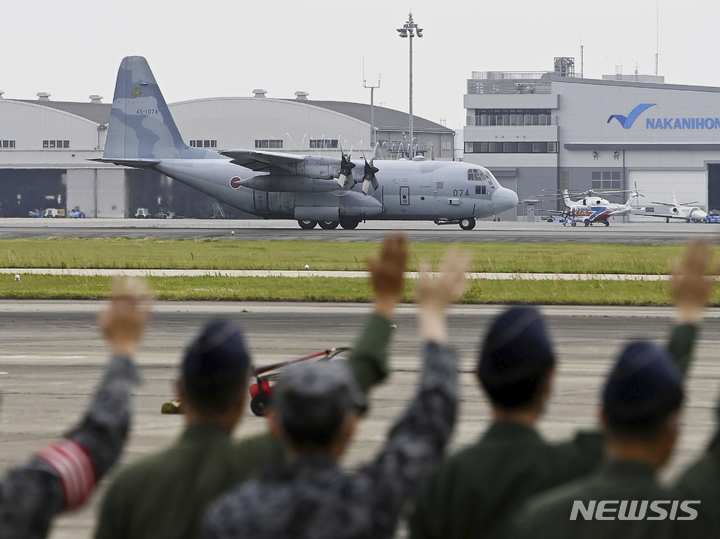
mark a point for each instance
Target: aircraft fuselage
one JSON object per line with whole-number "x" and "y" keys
{"x": 407, "y": 190}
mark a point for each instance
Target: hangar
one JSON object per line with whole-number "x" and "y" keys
{"x": 45, "y": 146}
{"x": 555, "y": 130}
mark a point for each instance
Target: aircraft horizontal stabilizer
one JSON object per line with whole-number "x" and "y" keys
{"x": 120, "y": 161}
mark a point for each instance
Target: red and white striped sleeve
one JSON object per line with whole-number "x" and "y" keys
{"x": 73, "y": 465}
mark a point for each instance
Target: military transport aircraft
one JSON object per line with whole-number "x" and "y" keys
{"x": 309, "y": 189}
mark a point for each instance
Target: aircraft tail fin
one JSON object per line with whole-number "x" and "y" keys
{"x": 566, "y": 198}
{"x": 141, "y": 126}
{"x": 674, "y": 199}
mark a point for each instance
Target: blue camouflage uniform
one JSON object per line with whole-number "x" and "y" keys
{"x": 314, "y": 498}
{"x": 62, "y": 476}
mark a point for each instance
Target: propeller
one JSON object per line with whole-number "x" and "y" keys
{"x": 369, "y": 176}
{"x": 346, "y": 167}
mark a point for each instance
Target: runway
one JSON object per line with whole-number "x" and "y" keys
{"x": 634, "y": 233}
{"x": 51, "y": 357}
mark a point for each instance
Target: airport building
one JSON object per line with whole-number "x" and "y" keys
{"x": 46, "y": 147}
{"x": 540, "y": 132}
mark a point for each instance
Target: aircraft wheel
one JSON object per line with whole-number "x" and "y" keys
{"x": 667, "y": 220}
{"x": 349, "y": 225}
{"x": 307, "y": 225}
{"x": 587, "y": 222}
{"x": 467, "y": 224}
{"x": 259, "y": 404}
{"x": 607, "y": 223}
{"x": 574, "y": 223}
{"x": 328, "y": 225}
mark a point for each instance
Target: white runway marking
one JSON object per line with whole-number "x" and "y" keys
{"x": 40, "y": 357}
{"x": 334, "y": 274}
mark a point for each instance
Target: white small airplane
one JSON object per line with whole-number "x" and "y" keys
{"x": 686, "y": 211}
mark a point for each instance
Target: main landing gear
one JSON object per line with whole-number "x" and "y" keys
{"x": 347, "y": 224}
{"x": 307, "y": 225}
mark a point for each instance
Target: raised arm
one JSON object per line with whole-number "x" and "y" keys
{"x": 691, "y": 285}
{"x": 368, "y": 359}
{"x": 63, "y": 475}
{"x": 416, "y": 442}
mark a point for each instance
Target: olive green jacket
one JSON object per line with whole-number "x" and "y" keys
{"x": 618, "y": 484}
{"x": 702, "y": 482}
{"x": 165, "y": 495}
{"x": 475, "y": 492}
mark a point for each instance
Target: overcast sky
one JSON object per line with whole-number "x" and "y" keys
{"x": 211, "y": 48}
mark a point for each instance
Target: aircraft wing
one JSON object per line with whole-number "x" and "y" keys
{"x": 662, "y": 215}
{"x": 262, "y": 161}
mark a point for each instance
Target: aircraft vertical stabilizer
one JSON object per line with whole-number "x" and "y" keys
{"x": 141, "y": 126}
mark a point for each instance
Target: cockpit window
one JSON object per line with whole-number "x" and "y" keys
{"x": 475, "y": 175}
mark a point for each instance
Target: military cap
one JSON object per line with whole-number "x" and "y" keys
{"x": 516, "y": 347}
{"x": 644, "y": 387}
{"x": 217, "y": 358}
{"x": 313, "y": 398}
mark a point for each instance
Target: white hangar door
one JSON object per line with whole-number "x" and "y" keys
{"x": 658, "y": 185}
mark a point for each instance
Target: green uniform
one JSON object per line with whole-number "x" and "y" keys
{"x": 702, "y": 482}
{"x": 166, "y": 495}
{"x": 476, "y": 491}
{"x": 548, "y": 516}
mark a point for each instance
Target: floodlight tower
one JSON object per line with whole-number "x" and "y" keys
{"x": 410, "y": 29}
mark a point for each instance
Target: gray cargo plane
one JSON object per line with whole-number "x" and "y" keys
{"x": 309, "y": 189}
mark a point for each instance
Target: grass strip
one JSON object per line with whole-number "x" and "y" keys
{"x": 326, "y": 289}
{"x": 150, "y": 253}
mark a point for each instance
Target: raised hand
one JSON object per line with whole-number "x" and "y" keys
{"x": 123, "y": 321}
{"x": 693, "y": 281}
{"x": 435, "y": 294}
{"x": 387, "y": 274}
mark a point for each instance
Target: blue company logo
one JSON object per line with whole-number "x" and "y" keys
{"x": 627, "y": 122}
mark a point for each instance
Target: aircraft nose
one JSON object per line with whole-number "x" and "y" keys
{"x": 504, "y": 199}
{"x": 699, "y": 215}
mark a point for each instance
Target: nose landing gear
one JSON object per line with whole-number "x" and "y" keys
{"x": 467, "y": 224}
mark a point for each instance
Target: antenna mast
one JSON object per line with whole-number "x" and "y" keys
{"x": 372, "y": 106}
{"x": 657, "y": 35}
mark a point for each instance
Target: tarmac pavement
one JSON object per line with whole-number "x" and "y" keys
{"x": 635, "y": 233}
{"x": 52, "y": 356}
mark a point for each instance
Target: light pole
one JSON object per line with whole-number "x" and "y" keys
{"x": 409, "y": 29}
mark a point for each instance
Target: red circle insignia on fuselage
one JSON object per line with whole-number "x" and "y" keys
{"x": 235, "y": 182}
